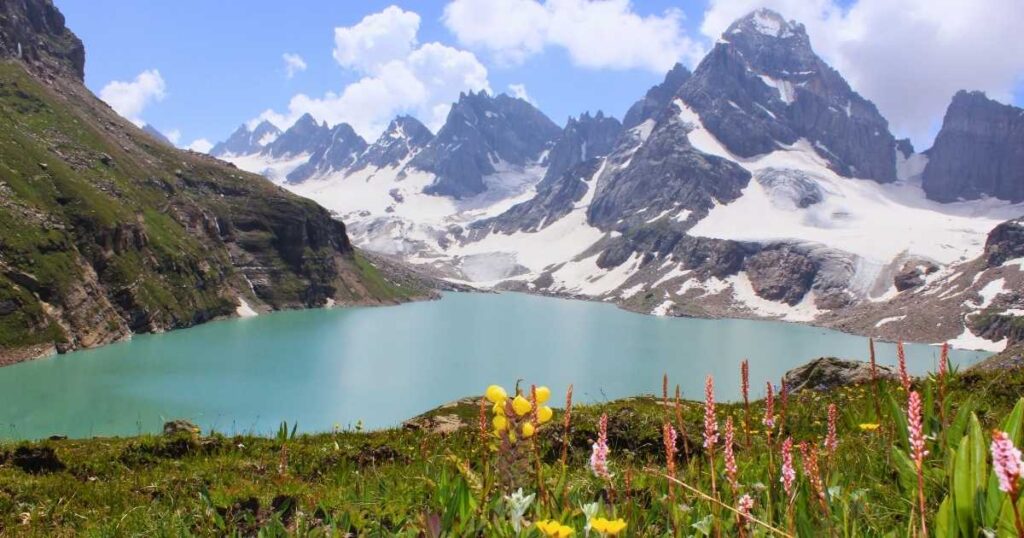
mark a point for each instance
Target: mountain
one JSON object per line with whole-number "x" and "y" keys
{"x": 245, "y": 141}
{"x": 304, "y": 136}
{"x": 402, "y": 140}
{"x": 657, "y": 98}
{"x": 104, "y": 232}
{"x": 762, "y": 87}
{"x": 978, "y": 152}
{"x": 155, "y": 133}
{"x": 337, "y": 151}
{"x": 481, "y": 135}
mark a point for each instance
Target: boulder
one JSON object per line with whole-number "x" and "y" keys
{"x": 827, "y": 373}
{"x": 179, "y": 426}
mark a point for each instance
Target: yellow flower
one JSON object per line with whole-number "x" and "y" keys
{"x": 868, "y": 427}
{"x": 527, "y": 430}
{"x": 496, "y": 394}
{"x": 543, "y": 394}
{"x": 554, "y": 528}
{"x": 599, "y": 524}
{"x": 521, "y": 405}
{"x": 564, "y": 531}
{"x": 608, "y": 527}
{"x": 544, "y": 414}
{"x": 616, "y": 526}
{"x": 499, "y": 408}
{"x": 500, "y": 423}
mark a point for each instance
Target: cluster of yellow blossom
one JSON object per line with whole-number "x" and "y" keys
{"x": 609, "y": 527}
{"x": 517, "y": 409}
{"x": 868, "y": 426}
{"x": 554, "y": 528}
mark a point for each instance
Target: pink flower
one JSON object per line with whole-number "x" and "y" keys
{"x": 831, "y": 440}
{"x": 669, "y": 438}
{"x": 745, "y": 505}
{"x": 1006, "y": 462}
{"x": 902, "y": 358}
{"x": 915, "y": 429}
{"x": 710, "y": 423}
{"x": 730, "y": 457}
{"x": 788, "y": 472}
{"x": 769, "y": 407}
{"x": 599, "y": 452}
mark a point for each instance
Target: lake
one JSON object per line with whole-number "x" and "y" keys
{"x": 331, "y": 368}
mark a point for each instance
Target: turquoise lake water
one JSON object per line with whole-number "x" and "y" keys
{"x": 382, "y": 365}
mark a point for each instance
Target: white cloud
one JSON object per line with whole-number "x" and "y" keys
{"x": 907, "y": 56}
{"x": 376, "y": 40}
{"x": 399, "y": 77}
{"x": 605, "y": 34}
{"x": 201, "y": 145}
{"x": 293, "y": 63}
{"x": 173, "y": 135}
{"x": 519, "y": 91}
{"x": 129, "y": 99}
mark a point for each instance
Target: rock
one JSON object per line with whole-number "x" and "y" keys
{"x": 1005, "y": 242}
{"x": 404, "y": 138}
{"x": 181, "y": 426}
{"x": 44, "y": 166}
{"x": 438, "y": 421}
{"x": 912, "y": 274}
{"x": 827, "y": 373}
{"x": 762, "y": 86}
{"x": 37, "y": 460}
{"x": 790, "y": 189}
{"x": 34, "y": 32}
{"x": 979, "y": 151}
{"x": 780, "y": 273}
{"x": 1012, "y": 358}
{"x": 657, "y": 98}
{"x": 582, "y": 139}
{"x": 305, "y": 135}
{"x": 107, "y": 160}
{"x": 245, "y": 141}
{"x": 337, "y": 151}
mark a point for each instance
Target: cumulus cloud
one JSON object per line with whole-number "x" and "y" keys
{"x": 201, "y": 145}
{"x": 399, "y": 76}
{"x": 519, "y": 91}
{"x": 607, "y": 34}
{"x": 130, "y": 99}
{"x": 907, "y": 56}
{"x": 293, "y": 63}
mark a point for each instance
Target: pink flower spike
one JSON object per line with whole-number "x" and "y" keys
{"x": 745, "y": 505}
{"x": 745, "y": 380}
{"x": 788, "y": 472}
{"x": 831, "y": 440}
{"x": 599, "y": 452}
{"x": 902, "y": 358}
{"x": 731, "y": 470}
{"x": 769, "y": 407}
{"x": 1006, "y": 462}
{"x": 915, "y": 429}
{"x": 710, "y": 422}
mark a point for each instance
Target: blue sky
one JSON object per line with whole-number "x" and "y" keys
{"x": 221, "y": 62}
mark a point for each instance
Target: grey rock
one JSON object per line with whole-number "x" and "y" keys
{"x": 657, "y": 98}
{"x": 180, "y": 426}
{"x": 582, "y": 139}
{"x": 781, "y": 273}
{"x": 337, "y": 151}
{"x": 762, "y": 86}
{"x": 1005, "y": 242}
{"x": 404, "y": 137}
{"x": 912, "y": 274}
{"x": 305, "y": 136}
{"x": 790, "y": 189}
{"x": 905, "y": 147}
{"x": 979, "y": 151}
{"x": 34, "y": 32}
{"x": 479, "y": 131}
{"x": 245, "y": 141}
{"x": 827, "y": 373}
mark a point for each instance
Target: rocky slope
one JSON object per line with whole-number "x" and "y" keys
{"x": 978, "y": 152}
{"x": 105, "y": 232}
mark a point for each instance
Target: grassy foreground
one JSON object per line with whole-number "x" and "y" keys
{"x": 417, "y": 483}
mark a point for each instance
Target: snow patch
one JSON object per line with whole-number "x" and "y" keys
{"x": 244, "y": 310}
{"x": 968, "y": 340}
{"x": 884, "y": 321}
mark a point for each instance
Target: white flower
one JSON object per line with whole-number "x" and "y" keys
{"x": 518, "y": 503}
{"x": 590, "y": 510}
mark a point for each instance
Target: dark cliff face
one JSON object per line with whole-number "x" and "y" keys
{"x": 105, "y": 231}
{"x": 1005, "y": 242}
{"x": 480, "y": 130}
{"x": 404, "y": 138}
{"x": 305, "y": 136}
{"x": 657, "y": 98}
{"x": 337, "y": 151}
{"x": 245, "y": 141}
{"x": 582, "y": 139}
{"x": 763, "y": 86}
{"x": 34, "y": 31}
{"x": 979, "y": 151}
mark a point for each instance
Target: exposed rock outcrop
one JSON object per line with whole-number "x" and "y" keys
{"x": 657, "y": 99}
{"x": 979, "y": 151}
{"x": 828, "y": 373}
{"x": 338, "y": 151}
{"x": 780, "y": 273}
{"x": 403, "y": 139}
{"x": 34, "y": 32}
{"x": 245, "y": 141}
{"x": 1005, "y": 242}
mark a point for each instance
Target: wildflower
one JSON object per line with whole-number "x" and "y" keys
{"x": 710, "y": 423}
{"x": 788, "y": 473}
{"x": 565, "y": 425}
{"x": 1006, "y": 462}
{"x": 669, "y": 438}
{"x": 769, "y": 408}
{"x": 868, "y": 426}
{"x": 744, "y": 505}
{"x": 916, "y": 435}
{"x": 745, "y": 380}
{"x": 831, "y": 441}
{"x": 902, "y": 358}
{"x": 500, "y": 423}
{"x": 554, "y": 528}
{"x": 813, "y": 474}
{"x": 944, "y": 361}
{"x": 545, "y": 413}
{"x": 730, "y": 458}
{"x": 521, "y": 405}
{"x": 590, "y": 511}
{"x": 518, "y": 504}
{"x": 599, "y": 451}
{"x": 609, "y": 527}
{"x": 496, "y": 394}
{"x": 528, "y": 430}
{"x": 543, "y": 394}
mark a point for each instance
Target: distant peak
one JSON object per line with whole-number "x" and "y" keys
{"x": 767, "y": 22}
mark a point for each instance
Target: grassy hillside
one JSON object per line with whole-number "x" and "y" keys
{"x": 104, "y": 231}
{"x": 418, "y": 482}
